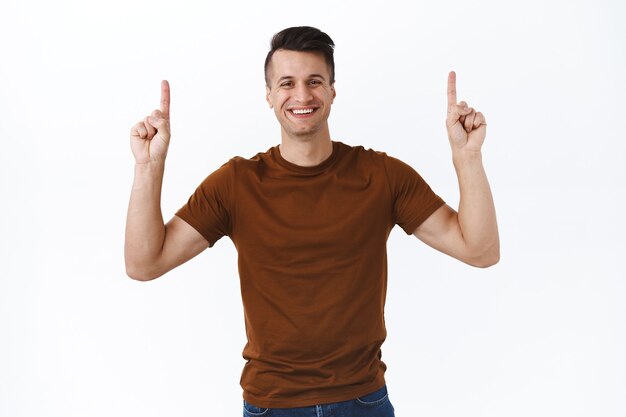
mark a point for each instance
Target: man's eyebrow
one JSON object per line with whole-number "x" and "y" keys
{"x": 289, "y": 77}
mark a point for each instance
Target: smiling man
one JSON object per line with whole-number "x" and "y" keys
{"x": 310, "y": 219}
{"x": 301, "y": 91}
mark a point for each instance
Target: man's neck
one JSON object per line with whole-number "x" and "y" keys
{"x": 306, "y": 152}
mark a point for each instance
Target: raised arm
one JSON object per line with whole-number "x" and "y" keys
{"x": 151, "y": 247}
{"x": 471, "y": 235}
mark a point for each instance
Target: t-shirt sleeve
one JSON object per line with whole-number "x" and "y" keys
{"x": 209, "y": 207}
{"x": 413, "y": 199}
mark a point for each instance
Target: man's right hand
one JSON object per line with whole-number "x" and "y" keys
{"x": 150, "y": 138}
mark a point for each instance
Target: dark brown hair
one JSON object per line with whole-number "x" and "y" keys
{"x": 303, "y": 38}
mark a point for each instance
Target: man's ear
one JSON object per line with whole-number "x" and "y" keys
{"x": 332, "y": 87}
{"x": 267, "y": 96}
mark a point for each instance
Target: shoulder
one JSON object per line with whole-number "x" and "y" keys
{"x": 261, "y": 159}
{"x": 376, "y": 159}
{"x": 235, "y": 167}
{"x": 362, "y": 154}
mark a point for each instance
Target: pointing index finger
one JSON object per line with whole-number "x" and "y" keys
{"x": 165, "y": 98}
{"x": 451, "y": 88}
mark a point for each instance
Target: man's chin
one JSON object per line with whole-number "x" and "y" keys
{"x": 304, "y": 134}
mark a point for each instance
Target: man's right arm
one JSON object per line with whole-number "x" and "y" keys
{"x": 151, "y": 247}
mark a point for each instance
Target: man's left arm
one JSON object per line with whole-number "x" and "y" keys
{"x": 471, "y": 235}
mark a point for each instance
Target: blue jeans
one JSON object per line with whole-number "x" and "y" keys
{"x": 375, "y": 404}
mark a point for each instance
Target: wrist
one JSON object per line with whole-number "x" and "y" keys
{"x": 150, "y": 170}
{"x": 150, "y": 165}
{"x": 466, "y": 157}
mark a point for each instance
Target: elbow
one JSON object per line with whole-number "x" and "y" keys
{"x": 486, "y": 259}
{"x": 140, "y": 267}
{"x": 486, "y": 262}
{"x": 141, "y": 273}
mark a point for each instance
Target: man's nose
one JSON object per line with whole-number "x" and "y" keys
{"x": 302, "y": 93}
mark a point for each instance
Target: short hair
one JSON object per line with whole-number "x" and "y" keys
{"x": 306, "y": 39}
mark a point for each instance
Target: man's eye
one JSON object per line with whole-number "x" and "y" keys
{"x": 286, "y": 84}
{"x": 315, "y": 82}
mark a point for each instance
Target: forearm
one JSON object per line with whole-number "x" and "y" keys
{"x": 476, "y": 213}
{"x": 145, "y": 229}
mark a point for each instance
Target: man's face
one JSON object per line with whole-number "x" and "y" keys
{"x": 300, "y": 92}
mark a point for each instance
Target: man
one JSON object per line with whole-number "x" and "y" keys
{"x": 310, "y": 220}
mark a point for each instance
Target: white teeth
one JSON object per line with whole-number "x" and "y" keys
{"x": 302, "y": 111}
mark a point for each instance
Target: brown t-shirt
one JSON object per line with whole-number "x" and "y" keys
{"x": 311, "y": 245}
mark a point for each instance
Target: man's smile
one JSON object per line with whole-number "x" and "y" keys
{"x": 302, "y": 112}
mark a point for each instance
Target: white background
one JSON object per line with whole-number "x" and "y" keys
{"x": 543, "y": 333}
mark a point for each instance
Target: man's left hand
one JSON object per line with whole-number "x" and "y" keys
{"x": 467, "y": 128}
